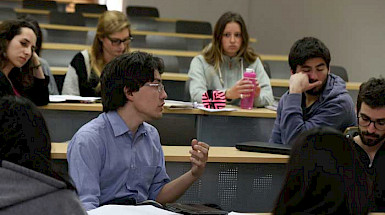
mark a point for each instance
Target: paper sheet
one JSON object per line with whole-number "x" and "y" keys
{"x": 129, "y": 210}
{"x": 63, "y": 98}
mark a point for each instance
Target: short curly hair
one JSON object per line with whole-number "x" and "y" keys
{"x": 372, "y": 93}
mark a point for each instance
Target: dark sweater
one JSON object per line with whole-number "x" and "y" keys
{"x": 37, "y": 92}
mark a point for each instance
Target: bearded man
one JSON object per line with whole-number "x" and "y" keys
{"x": 315, "y": 97}
{"x": 370, "y": 141}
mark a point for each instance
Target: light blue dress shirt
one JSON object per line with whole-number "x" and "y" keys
{"x": 106, "y": 161}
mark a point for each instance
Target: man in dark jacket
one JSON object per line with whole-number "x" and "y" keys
{"x": 369, "y": 142}
{"x": 315, "y": 97}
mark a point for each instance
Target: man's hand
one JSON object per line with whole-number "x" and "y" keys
{"x": 198, "y": 158}
{"x": 299, "y": 83}
{"x": 243, "y": 86}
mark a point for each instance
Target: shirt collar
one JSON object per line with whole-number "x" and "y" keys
{"x": 119, "y": 127}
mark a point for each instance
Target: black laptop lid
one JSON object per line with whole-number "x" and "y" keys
{"x": 264, "y": 147}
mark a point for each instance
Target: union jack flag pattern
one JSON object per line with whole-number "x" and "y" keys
{"x": 214, "y": 99}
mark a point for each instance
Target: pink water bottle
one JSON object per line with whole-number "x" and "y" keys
{"x": 247, "y": 102}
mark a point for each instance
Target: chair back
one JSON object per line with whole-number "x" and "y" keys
{"x": 165, "y": 42}
{"x": 278, "y": 70}
{"x": 193, "y": 27}
{"x": 66, "y": 36}
{"x": 186, "y": 95}
{"x": 267, "y": 69}
{"x": 40, "y": 5}
{"x": 90, "y": 8}
{"x": 58, "y": 58}
{"x": 340, "y": 71}
{"x": 139, "y": 11}
{"x": 63, "y": 18}
{"x": 170, "y": 64}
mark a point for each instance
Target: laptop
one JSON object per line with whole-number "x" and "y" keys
{"x": 264, "y": 147}
{"x": 194, "y": 209}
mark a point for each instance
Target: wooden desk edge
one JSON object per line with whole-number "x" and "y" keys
{"x": 285, "y": 83}
{"x": 184, "y": 77}
{"x": 180, "y": 154}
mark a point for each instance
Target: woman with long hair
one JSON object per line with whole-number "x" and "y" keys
{"x": 52, "y": 87}
{"x": 112, "y": 39}
{"x": 29, "y": 185}
{"x": 223, "y": 61}
{"x": 20, "y": 69}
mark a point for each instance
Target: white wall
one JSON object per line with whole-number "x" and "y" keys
{"x": 352, "y": 29}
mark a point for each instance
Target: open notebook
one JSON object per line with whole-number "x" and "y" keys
{"x": 264, "y": 147}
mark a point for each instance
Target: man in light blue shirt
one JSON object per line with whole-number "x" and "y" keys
{"x": 117, "y": 158}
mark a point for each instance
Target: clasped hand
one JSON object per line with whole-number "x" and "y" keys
{"x": 243, "y": 88}
{"x": 299, "y": 83}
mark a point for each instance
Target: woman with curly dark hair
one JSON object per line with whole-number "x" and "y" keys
{"x": 17, "y": 48}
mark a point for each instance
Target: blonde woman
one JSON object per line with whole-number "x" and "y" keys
{"x": 112, "y": 39}
{"x": 221, "y": 65}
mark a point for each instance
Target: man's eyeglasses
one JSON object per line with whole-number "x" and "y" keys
{"x": 365, "y": 121}
{"x": 117, "y": 42}
{"x": 160, "y": 86}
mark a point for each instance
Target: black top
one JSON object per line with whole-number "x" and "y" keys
{"x": 377, "y": 170}
{"x": 87, "y": 84}
{"x": 37, "y": 92}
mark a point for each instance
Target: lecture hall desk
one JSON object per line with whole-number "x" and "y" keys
{"x": 176, "y": 127}
{"x": 235, "y": 180}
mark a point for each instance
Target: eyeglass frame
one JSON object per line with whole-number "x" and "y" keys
{"x": 117, "y": 42}
{"x": 371, "y": 121}
{"x": 159, "y": 85}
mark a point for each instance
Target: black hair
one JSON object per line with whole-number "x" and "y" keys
{"x": 39, "y": 33}
{"x": 130, "y": 70}
{"x": 324, "y": 176}
{"x": 372, "y": 93}
{"x": 305, "y": 49}
{"x": 24, "y": 137}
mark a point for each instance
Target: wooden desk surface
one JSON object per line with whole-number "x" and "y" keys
{"x": 256, "y": 112}
{"x": 285, "y": 83}
{"x": 178, "y": 53}
{"x": 181, "y": 154}
{"x": 184, "y": 77}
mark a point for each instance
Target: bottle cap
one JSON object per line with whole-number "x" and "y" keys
{"x": 249, "y": 70}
